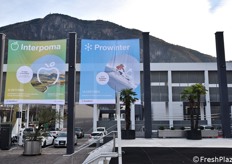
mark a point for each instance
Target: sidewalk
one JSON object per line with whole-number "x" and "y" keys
{"x": 178, "y": 142}
{"x": 175, "y": 151}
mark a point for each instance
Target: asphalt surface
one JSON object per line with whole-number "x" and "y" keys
{"x": 170, "y": 155}
{"x": 50, "y": 155}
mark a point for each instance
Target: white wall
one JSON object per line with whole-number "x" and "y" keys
{"x": 160, "y": 111}
{"x": 178, "y": 113}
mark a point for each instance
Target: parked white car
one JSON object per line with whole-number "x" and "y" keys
{"x": 102, "y": 129}
{"x": 46, "y": 139}
{"x": 54, "y": 133}
{"x": 61, "y": 139}
{"x": 96, "y": 136}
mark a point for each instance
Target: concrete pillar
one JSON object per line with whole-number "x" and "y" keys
{"x": 62, "y": 116}
{"x": 207, "y": 99}
{"x": 132, "y": 116}
{"x": 59, "y": 122}
{"x": 95, "y": 117}
{"x": 20, "y": 132}
{"x": 170, "y": 99}
{"x": 28, "y": 115}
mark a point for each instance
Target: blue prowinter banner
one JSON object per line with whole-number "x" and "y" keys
{"x": 107, "y": 67}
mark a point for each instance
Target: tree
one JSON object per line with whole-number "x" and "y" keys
{"x": 45, "y": 116}
{"x": 127, "y": 97}
{"x": 193, "y": 95}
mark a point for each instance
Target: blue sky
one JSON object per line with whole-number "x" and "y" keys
{"x": 214, "y": 4}
{"x": 188, "y": 23}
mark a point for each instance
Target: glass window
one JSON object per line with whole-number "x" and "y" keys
{"x": 214, "y": 94}
{"x": 159, "y": 93}
{"x": 187, "y": 77}
{"x": 213, "y": 77}
{"x": 159, "y": 76}
{"x": 176, "y": 93}
{"x": 229, "y": 77}
{"x": 230, "y": 94}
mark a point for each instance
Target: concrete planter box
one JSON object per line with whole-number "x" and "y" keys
{"x": 209, "y": 133}
{"x": 166, "y": 133}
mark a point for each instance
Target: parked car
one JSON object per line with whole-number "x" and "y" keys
{"x": 54, "y": 133}
{"x": 79, "y": 132}
{"x": 28, "y": 130}
{"x": 27, "y": 133}
{"x": 61, "y": 139}
{"x": 96, "y": 136}
{"x": 102, "y": 129}
{"x": 46, "y": 139}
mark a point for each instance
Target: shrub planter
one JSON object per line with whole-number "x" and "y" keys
{"x": 209, "y": 133}
{"x": 193, "y": 134}
{"x": 128, "y": 134}
{"x": 32, "y": 147}
{"x": 167, "y": 133}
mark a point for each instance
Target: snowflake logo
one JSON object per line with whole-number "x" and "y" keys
{"x": 88, "y": 47}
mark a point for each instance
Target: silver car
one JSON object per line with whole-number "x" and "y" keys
{"x": 61, "y": 139}
{"x": 79, "y": 132}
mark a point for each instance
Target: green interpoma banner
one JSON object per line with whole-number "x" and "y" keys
{"x": 35, "y": 72}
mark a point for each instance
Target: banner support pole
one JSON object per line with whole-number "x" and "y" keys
{"x": 223, "y": 88}
{"x": 71, "y": 92}
{"x": 147, "y": 85}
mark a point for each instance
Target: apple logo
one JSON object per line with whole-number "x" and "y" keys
{"x": 48, "y": 72}
{"x": 48, "y": 75}
{"x": 14, "y": 46}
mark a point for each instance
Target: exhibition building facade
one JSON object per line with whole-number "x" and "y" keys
{"x": 168, "y": 81}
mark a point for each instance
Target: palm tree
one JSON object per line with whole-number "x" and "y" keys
{"x": 127, "y": 97}
{"x": 193, "y": 95}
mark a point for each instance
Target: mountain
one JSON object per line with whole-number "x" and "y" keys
{"x": 57, "y": 26}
